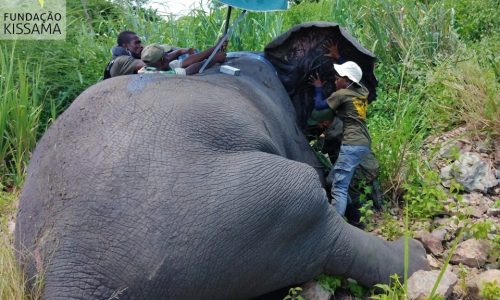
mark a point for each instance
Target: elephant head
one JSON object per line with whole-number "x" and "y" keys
{"x": 157, "y": 186}
{"x": 300, "y": 52}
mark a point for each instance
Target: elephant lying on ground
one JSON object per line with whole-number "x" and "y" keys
{"x": 164, "y": 187}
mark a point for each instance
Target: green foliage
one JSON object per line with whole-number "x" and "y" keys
{"x": 481, "y": 229}
{"x": 462, "y": 277}
{"x": 367, "y": 213}
{"x": 464, "y": 90}
{"x": 394, "y": 291}
{"x": 19, "y": 114}
{"x": 7, "y": 207}
{"x": 329, "y": 283}
{"x": 490, "y": 291}
{"x": 390, "y": 228}
{"x": 424, "y": 195}
{"x": 294, "y": 294}
{"x": 356, "y": 289}
{"x": 475, "y": 20}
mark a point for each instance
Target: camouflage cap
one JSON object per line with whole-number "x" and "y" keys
{"x": 318, "y": 116}
{"x": 152, "y": 53}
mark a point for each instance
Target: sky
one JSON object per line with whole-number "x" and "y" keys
{"x": 176, "y": 7}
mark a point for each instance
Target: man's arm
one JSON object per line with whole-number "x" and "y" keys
{"x": 335, "y": 100}
{"x": 139, "y": 64}
{"x": 319, "y": 102}
{"x": 333, "y": 52}
{"x": 176, "y": 53}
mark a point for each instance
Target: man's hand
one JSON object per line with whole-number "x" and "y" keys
{"x": 332, "y": 49}
{"x": 224, "y": 45}
{"x": 187, "y": 51}
{"x": 315, "y": 80}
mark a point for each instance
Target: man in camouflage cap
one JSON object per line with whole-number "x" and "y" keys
{"x": 162, "y": 59}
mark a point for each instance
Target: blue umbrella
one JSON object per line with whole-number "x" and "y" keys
{"x": 257, "y": 5}
{"x": 245, "y": 5}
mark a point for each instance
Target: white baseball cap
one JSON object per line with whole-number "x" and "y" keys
{"x": 349, "y": 69}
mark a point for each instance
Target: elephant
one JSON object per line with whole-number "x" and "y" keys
{"x": 167, "y": 187}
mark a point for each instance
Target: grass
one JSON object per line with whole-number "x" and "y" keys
{"x": 11, "y": 285}
{"x": 19, "y": 115}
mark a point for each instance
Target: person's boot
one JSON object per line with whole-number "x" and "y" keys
{"x": 377, "y": 195}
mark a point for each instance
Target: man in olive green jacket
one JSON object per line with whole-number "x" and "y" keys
{"x": 350, "y": 103}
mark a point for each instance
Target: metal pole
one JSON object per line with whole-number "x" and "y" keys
{"x": 227, "y": 18}
{"x": 219, "y": 44}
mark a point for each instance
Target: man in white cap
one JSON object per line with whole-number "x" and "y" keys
{"x": 350, "y": 103}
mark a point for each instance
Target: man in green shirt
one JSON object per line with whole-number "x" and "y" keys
{"x": 126, "y": 55}
{"x": 350, "y": 103}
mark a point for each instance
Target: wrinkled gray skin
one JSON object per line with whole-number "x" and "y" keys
{"x": 161, "y": 187}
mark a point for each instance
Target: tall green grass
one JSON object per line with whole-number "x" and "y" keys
{"x": 19, "y": 114}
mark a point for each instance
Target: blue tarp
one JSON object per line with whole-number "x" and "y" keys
{"x": 258, "y": 5}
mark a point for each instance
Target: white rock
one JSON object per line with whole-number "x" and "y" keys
{"x": 493, "y": 212}
{"x": 420, "y": 284}
{"x": 440, "y": 233}
{"x": 472, "y": 253}
{"x": 472, "y": 171}
{"x": 313, "y": 290}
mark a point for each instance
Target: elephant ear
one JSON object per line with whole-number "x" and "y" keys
{"x": 300, "y": 51}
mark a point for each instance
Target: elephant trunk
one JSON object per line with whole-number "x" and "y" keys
{"x": 370, "y": 260}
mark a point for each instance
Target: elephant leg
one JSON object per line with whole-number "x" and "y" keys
{"x": 303, "y": 235}
{"x": 370, "y": 260}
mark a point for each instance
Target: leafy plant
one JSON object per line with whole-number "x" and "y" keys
{"x": 481, "y": 229}
{"x": 294, "y": 294}
{"x": 490, "y": 291}
{"x": 367, "y": 213}
{"x": 390, "y": 228}
{"x": 356, "y": 289}
{"x": 393, "y": 291}
{"x": 425, "y": 195}
{"x": 329, "y": 283}
{"x": 462, "y": 276}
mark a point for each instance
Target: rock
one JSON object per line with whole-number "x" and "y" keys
{"x": 474, "y": 199}
{"x": 472, "y": 253}
{"x": 313, "y": 290}
{"x": 492, "y": 266}
{"x": 440, "y": 233}
{"x": 473, "y": 211}
{"x": 420, "y": 284}
{"x": 434, "y": 263}
{"x": 476, "y": 284}
{"x": 446, "y": 175}
{"x": 451, "y": 149}
{"x": 493, "y": 212}
{"x": 484, "y": 147}
{"x": 431, "y": 243}
{"x": 472, "y": 171}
